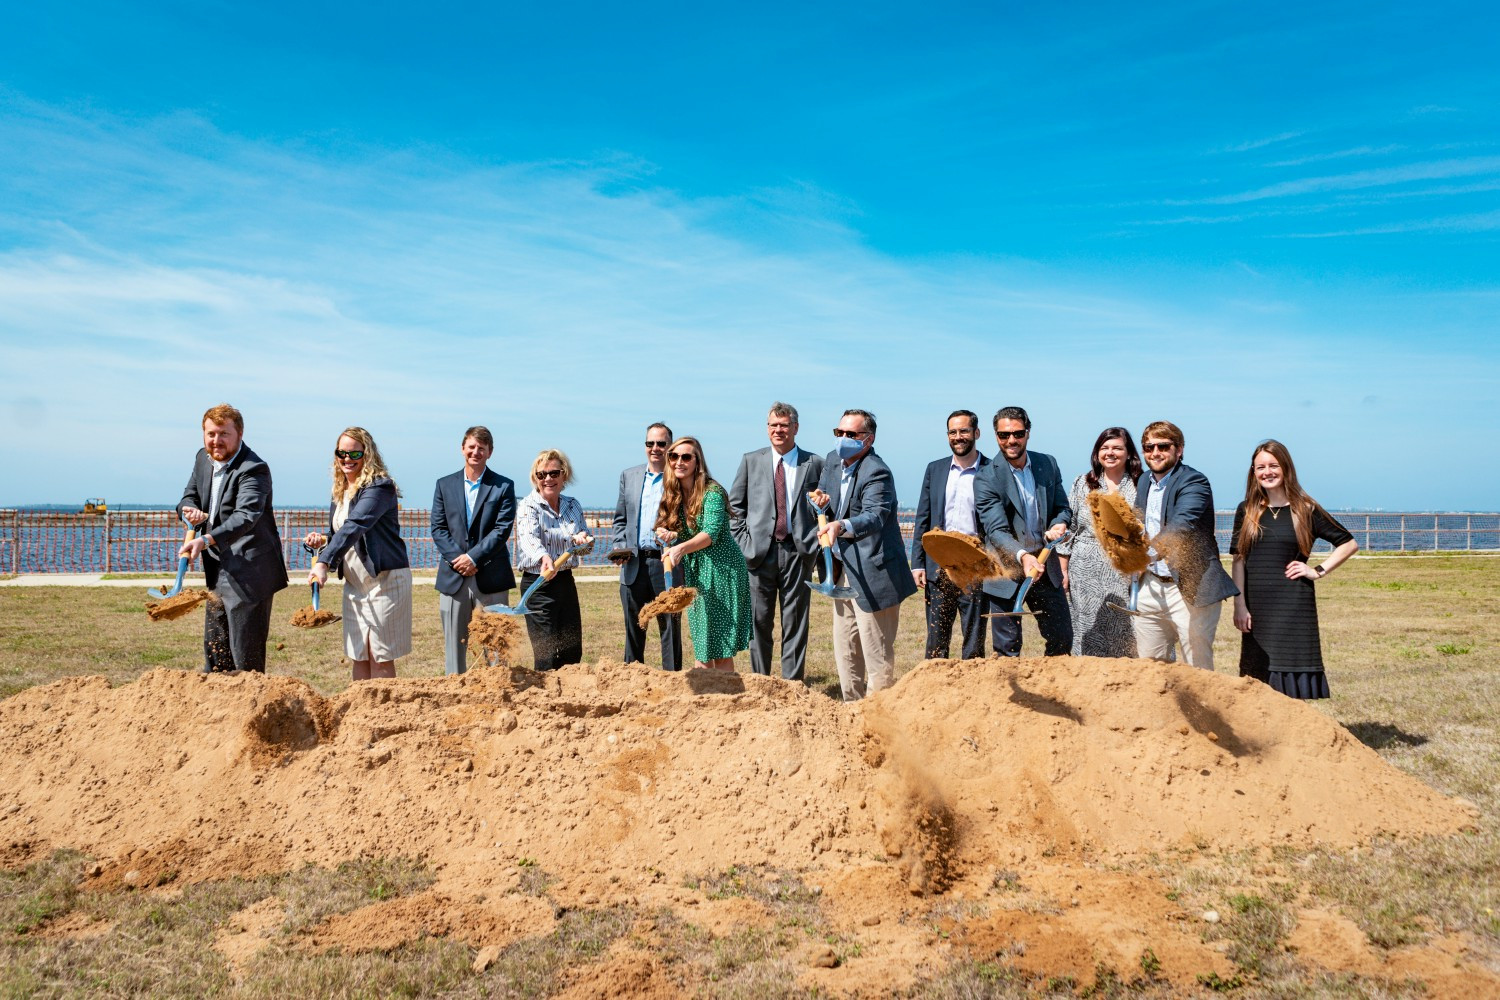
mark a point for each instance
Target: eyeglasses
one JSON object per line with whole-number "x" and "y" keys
{"x": 1007, "y": 435}
{"x": 840, "y": 433}
{"x": 549, "y": 474}
{"x": 1157, "y": 446}
{"x": 685, "y": 456}
{"x": 352, "y": 456}
{"x": 656, "y": 444}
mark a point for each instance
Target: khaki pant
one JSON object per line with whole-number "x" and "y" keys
{"x": 1166, "y": 619}
{"x": 864, "y": 646}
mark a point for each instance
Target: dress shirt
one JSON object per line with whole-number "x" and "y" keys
{"x": 539, "y": 530}
{"x": 1026, "y": 483}
{"x": 1154, "y": 501}
{"x": 650, "y": 503}
{"x": 471, "y": 492}
{"x": 846, "y": 480}
{"x": 958, "y": 503}
{"x": 216, "y": 490}
{"x": 790, "y": 461}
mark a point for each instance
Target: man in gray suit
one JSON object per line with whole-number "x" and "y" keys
{"x": 229, "y": 497}
{"x": 473, "y": 511}
{"x": 1022, "y": 505}
{"x": 638, "y": 551}
{"x": 774, "y": 526}
{"x": 1183, "y": 587}
{"x": 859, "y": 493}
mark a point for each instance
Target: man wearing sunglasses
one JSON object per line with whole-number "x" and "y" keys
{"x": 638, "y": 552}
{"x": 776, "y": 530}
{"x": 1023, "y": 506}
{"x": 859, "y": 495}
{"x": 1183, "y": 586}
{"x": 228, "y": 498}
{"x": 473, "y": 511}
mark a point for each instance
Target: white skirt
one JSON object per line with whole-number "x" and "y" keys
{"x": 377, "y": 612}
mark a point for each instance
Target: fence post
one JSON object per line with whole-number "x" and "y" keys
{"x": 108, "y": 540}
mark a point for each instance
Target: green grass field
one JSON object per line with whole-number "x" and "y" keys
{"x": 1412, "y": 645}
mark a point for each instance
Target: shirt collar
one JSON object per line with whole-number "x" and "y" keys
{"x": 1024, "y": 468}
{"x": 1158, "y": 482}
{"x": 221, "y": 466}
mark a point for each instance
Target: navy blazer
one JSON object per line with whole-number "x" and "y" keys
{"x": 372, "y": 527}
{"x": 482, "y": 538}
{"x": 1188, "y": 512}
{"x": 246, "y": 542}
{"x": 873, "y": 554}
{"x": 997, "y": 500}
{"x": 932, "y": 510}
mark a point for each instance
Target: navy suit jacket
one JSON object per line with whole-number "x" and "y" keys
{"x": 482, "y": 538}
{"x": 873, "y": 554}
{"x": 246, "y": 542}
{"x": 1188, "y": 512}
{"x": 997, "y": 499}
{"x": 372, "y": 527}
{"x": 932, "y": 510}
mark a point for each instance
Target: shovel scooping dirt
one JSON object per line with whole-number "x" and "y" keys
{"x": 966, "y": 559}
{"x": 493, "y": 635}
{"x": 179, "y": 604}
{"x": 1119, "y": 531}
{"x": 668, "y": 602}
{"x": 311, "y": 617}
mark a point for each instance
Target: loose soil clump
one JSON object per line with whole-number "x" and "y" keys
{"x": 308, "y": 618}
{"x": 668, "y": 602}
{"x": 494, "y": 636}
{"x": 1120, "y": 532}
{"x": 174, "y": 607}
{"x": 966, "y": 559}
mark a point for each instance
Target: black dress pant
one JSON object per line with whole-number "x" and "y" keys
{"x": 1053, "y": 619}
{"x": 947, "y": 604}
{"x": 235, "y": 638}
{"x": 555, "y": 625}
{"x": 782, "y": 578}
{"x": 649, "y": 582}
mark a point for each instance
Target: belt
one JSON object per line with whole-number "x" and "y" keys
{"x": 1164, "y": 577}
{"x": 651, "y": 554}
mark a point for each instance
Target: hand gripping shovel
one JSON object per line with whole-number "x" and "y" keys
{"x": 182, "y": 568}
{"x": 522, "y": 607}
{"x": 1041, "y": 567}
{"x": 826, "y": 588}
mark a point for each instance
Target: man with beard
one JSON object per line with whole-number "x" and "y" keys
{"x": 946, "y": 502}
{"x": 228, "y": 496}
{"x": 1183, "y": 586}
{"x": 1022, "y": 505}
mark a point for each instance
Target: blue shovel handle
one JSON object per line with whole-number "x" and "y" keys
{"x": 182, "y": 568}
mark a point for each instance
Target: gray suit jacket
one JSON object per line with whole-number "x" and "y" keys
{"x": 627, "y": 522}
{"x": 752, "y": 505}
{"x": 1002, "y": 518}
{"x": 250, "y": 561}
{"x": 872, "y": 551}
{"x": 1188, "y": 512}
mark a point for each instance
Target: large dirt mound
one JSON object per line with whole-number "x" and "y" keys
{"x": 618, "y": 767}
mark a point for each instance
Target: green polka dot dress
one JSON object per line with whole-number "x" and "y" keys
{"x": 719, "y": 620}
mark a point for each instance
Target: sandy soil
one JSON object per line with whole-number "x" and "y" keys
{"x": 623, "y": 782}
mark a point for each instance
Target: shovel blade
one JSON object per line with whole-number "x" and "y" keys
{"x": 829, "y": 590}
{"x": 506, "y": 609}
{"x": 1122, "y": 609}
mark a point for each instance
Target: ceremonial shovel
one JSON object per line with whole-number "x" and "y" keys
{"x": 182, "y": 568}
{"x": 317, "y": 590}
{"x": 522, "y": 608}
{"x": 826, "y": 588}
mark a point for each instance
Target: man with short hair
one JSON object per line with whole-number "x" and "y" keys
{"x": 946, "y": 503}
{"x": 775, "y": 528}
{"x": 1022, "y": 506}
{"x": 638, "y": 551}
{"x": 859, "y": 495}
{"x": 228, "y": 497}
{"x": 1184, "y": 583}
{"x": 473, "y": 511}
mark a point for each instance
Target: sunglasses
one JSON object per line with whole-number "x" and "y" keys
{"x": 549, "y": 474}
{"x": 1157, "y": 446}
{"x": 352, "y": 456}
{"x": 656, "y": 444}
{"x": 685, "y": 456}
{"x": 1007, "y": 435}
{"x": 847, "y": 434}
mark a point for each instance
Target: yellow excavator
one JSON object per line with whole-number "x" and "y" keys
{"x": 95, "y": 505}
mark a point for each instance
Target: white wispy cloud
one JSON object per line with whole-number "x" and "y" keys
{"x": 1377, "y": 177}
{"x": 1337, "y": 154}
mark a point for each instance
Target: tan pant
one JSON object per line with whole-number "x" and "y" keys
{"x": 864, "y": 646}
{"x": 1166, "y": 619}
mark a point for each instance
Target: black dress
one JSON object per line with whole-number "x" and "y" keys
{"x": 1282, "y": 646}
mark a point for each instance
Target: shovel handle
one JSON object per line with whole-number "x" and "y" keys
{"x": 562, "y": 561}
{"x": 823, "y": 539}
{"x": 1041, "y": 562}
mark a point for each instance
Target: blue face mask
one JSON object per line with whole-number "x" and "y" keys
{"x": 849, "y": 447}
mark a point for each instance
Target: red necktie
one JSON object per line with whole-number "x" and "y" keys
{"x": 780, "y": 486}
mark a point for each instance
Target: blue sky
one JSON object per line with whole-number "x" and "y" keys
{"x": 567, "y": 221}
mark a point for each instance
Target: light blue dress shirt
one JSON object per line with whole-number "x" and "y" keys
{"x": 650, "y": 504}
{"x": 1155, "y": 500}
{"x": 1026, "y": 484}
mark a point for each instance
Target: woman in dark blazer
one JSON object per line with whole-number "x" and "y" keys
{"x": 367, "y": 551}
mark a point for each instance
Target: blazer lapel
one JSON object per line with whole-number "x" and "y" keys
{"x": 480, "y": 496}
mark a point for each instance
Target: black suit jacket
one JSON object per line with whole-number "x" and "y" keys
{"x": 372, "y": 527}
{"x": 932, "y": 510}
{"x": 482, "y": 538}
{"x": 1003, "y": 519}
{"x": 250, "y": 562}
{"x": 1187, "y": 513}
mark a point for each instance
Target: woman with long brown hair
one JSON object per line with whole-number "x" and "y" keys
{"x": 367, "y": 551}
{"x": 693, "y": 524}
{"x": 1276, "y": 610}
{"x": 1095, "y": 589}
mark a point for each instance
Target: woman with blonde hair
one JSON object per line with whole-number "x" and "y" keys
{"x": 548, "y": 524}
{"x": 367, "y": 552}
{"x": 1276, "y": 610}
{"x": 695, "y": 509}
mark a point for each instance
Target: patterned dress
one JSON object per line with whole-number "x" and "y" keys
{"x": 1093, "y": 583}
{"x": 719, "y": 620}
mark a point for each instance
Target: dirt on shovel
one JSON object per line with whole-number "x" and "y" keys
{"x": 495, "y": 636}
{"x": 309, "y": 618}
{"x": 1119, "y": 531}
{"x": 966, "y": 559}
{"x": 174, "y": 607}
{"x": 668, "y": 602}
